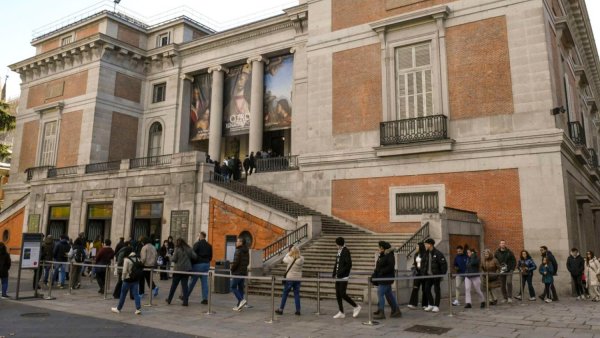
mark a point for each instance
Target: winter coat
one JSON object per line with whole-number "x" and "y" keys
{"x": 128, "y": 265}
{"x": 439, "y": 265}
{"x": 4, "y": 264}
{"x": 74, "y": 250}
{"x": 182, "y": 258}
{"x": 48, "y": 249}
{"x": 148, "y": 255}
{"x": 491, "y": 265}
{"x": 61, "y": 251}
{"x": 575, "y": 265}
{"x": 526, "y": 266}
{"x": 460, "y": 263}
{"x": 546, "y": 271}
{"x": 241, "y": 260}
{"x": 507, "y": 258}
{"x": 343, "y": 265}
{"x": 385, "y": 267}
{"x": 592, "y": 269}
{"x": 203, "y": 252}
{"x": 296, "y": 270}
{"x": 472, "y": 265}
{"x": 552, "y": 261}
{"x": 105, "y": 255}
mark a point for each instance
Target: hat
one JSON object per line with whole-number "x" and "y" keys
{"x": 430, "y": 241}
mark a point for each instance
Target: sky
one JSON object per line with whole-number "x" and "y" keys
{"x": 26, "y": 16}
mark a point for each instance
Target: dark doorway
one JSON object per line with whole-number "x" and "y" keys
{"x": 58, "y": 220}
{"x": 147, "y": 220}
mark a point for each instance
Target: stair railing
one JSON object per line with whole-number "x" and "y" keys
{"x": 409, "y": 246}
{"x": 283, "y": 243}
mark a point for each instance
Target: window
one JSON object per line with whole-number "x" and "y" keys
{"x": 163, "y": 39}
{"x": 155, "y": 139}
{"x": 66, "y": 40}
{"x": 414, "y": 96}
{"x": 408, "y": 203}
{"x": 49, "y": 144}
{"x": 5, "y": 236}
{"x": 417, "y": 203}
{"x": 159, "y": 92}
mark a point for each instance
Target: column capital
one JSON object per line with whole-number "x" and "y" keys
{"x": 293, "y": 50}
{"x": 186, "y": 77}
{"x": 258, "y": 58}
{"x": 218, "y": 68}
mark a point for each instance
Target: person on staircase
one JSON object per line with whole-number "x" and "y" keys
{"x": 294, "y": 262}
{"x": 384, "y": 268}
{"x": 435, "y": 264}
{"x": 341, "y": 270}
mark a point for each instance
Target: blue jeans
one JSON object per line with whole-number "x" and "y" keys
{"x": 237, "y": 287}
{"x": 132, "y": 287}
{"x": 201, "y": 267}
{"x": 286, "y": 290}
{"x": 4, "y": 286}
{"x": 383, "y": 292}
{"x": 63, "y": 273}
{"x": 46, "y": 273}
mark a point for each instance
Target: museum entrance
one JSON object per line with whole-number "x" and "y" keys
{"x": 58, "y": 220}
{"x": 147, "y": 220}
{"x": 99, "y": 219}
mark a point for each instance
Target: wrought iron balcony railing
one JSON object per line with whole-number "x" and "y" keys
{"x": 577, "y": 133}
{"x": 420, "y": 129}
{"x": 152, "y": 161}
{"x": 281, "y": 163}
{"x": 593, "y": 160}
{"x": 65, "y": 171}
{"x": 103, "y": 166}
{"x": 30, "y": 171}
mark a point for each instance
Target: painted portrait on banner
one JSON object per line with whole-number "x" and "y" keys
{"x": 236, "y": 99}
{"x": 200, "y": 107}
{"x": 279, "y": 80}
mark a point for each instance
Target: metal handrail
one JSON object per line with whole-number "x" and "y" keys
{"x": 284, "y": 242}
{"x": 143, "y": 162}
{"x": 420, "y": 235}
{"x": 102, "y": 166}
{"x": 64, "y": 171}
{"x": 419, "y": 129}
{"x": 30, "y": 171}
{"x": 280, "y": 163}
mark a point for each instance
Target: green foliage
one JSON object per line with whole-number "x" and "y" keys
{"x": 7, "y": 123}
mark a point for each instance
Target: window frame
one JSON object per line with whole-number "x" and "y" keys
{"x": 42, "y": 142}
{"x": 162, "y": 35}
{"x": 155, "y": 87}
{"x": 395, "y": 190}
{"x": 70, "y": 37}
{"x": 419, "y": 70}
{"x": 149, "y": 148}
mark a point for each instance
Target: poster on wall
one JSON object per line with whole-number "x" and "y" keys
{"x": 200, "y": 107}
{"x": 180, "y": 220}
{"x": 236, "y": 100}
{"x": 279, "y": 80}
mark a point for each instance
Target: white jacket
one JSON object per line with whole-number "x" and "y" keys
{"x": 296, "y": 270}
{"x": 591, "y": 270}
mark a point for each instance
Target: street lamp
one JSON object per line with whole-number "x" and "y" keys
{"x": 116, "y": 3}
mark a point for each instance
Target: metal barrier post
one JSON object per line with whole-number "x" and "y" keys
{"x": 318, "y": 313}
{"x": 49, "y": 297}
{"x": 272, "y": 320}
{"x": 70, "y": 278}
{"x": 397, "y": 288}
{"x": 450, "y": 293}
{"x": 210, "y": 291}
{"x": 522, "y": 287}
{"x": 487, "y": 290}
{"x": 151, "y": 290}
{"x": 106, "y": 280}
{"x": 371, "y": 322}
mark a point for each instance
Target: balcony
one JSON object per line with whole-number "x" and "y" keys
{"x": 577, "y": 134}
{"x": 153, "y": 161}
{"x": 60, "y": 172}
{"x": 281, "y": 163}
{"x": 416, "y": 135}
{"x": 102, "y": 167}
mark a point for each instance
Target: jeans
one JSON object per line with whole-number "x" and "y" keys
{"x": 528, "y": 279}
{"x": 237, "y": 287}
{"x": 460, "y": 280}
{"x": 183, "y": 279}
{"x": 435, "y": 283}
{"x": 340, "y": 293}
{"x": 75, "y": 278}
{"x": 133, "y": 288}
{"x": 506, "y": 285}
{"x": 577, "y": 282}
{"x": 414, "y": 295}
{"x": 147, "y": 280}
{"x": 383, "y": 292}
{"x": 200, "y": 267}
{"x": 286, "y": 290}
{"x": 4, "y": 286}
{"x": 475, "y": 283}
{"x": 63, "y": 273}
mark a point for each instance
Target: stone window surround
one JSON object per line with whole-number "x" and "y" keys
{"x": 147, "y": 136}
{"x": 393, "y": 190}
{"x": 152, "y": 88}
{"x": 48, "y": 113}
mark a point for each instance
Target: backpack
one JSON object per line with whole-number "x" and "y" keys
{"x": 79, "y": 256}
{"x": 137, "y": 270}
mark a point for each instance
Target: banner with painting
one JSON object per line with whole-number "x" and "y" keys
{"x": 279, "y": 80}
{"x": 200, "y": 107}
{"x": 236, "y": 100}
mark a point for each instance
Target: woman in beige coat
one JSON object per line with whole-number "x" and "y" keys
{"x": 294, "y": 262}
{"x": 490, "y": 265}
{"x": 592, "y": 269}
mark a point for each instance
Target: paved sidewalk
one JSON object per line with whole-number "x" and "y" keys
{"x": 567, "y": 318}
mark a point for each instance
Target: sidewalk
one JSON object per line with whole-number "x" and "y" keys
{"x": 567, "y": 318}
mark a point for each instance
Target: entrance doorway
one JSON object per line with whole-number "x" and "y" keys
{"x": 277, "y": 141}
{"x": 99, "y": 218}
{"x": 58, "y": 220}
{"x": 147, "y": 220}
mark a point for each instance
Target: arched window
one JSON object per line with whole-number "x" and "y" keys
{"x": 155, "y": 139}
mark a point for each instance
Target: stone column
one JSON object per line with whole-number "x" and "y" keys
{"x": 182, "y": 138}
{"x": 443, "y": 101}
{"x": 256, "y": 103}
{"x": 216, "y": 112}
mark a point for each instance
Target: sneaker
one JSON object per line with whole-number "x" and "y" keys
{"x": 428, "y": 308}
{"x": 456, "y": 303}
{"x": 468, "y": 306}
{"x": 435, "y": 309}
{"x": 62, "y": 286}
{"x": 509, "y": 301}
{"x": 4, "y": 297}
{"x": 380, "y": 315}
{"x": 297, "y": 313}
{"x": 115, "y": 310}
{"x": 504, "y": 301}
{"x": 518, "y": 297}
{"x": 138, "y": 312}
{"x": 236, "y": 308}
{"x": 356, "y": 311}
{"x": 279, "y": 312}
{"x": 396, "y": 314}
{"x": 155, "y": 291}
{"x": 412, "y": 307}
{"x": 204, "y": 302}
{"x": 532, "y": 299}
{"x": 482, "y": 305}
{"x": 242, "y": 303}
{"x": 168, "y": 301}
{"x": 548, "y": 300}
{"x": 425, "y": 308}
{"x": 339, "y": 315}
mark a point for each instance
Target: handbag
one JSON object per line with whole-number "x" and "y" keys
{"x": 288, "y": 270}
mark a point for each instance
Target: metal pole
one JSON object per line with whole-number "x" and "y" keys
{"x": 450, "y": 293}
{"x": 522, "y": 287}
{"x": 71, "y": 278}
{"x": 272, "y": 320}
{"x": 150, "y": 287}
{"x": 487, "y": 290}
{"x": 106, "y": 279}
{"x": 371, "y": 322}
{"x": 397, "y": 288}
{"x": 318, "y": 313}
{"x": 49, "y": 297}
{"x": 210, "y": 291}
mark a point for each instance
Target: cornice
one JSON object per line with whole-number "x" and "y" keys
{"x": 434, "y": 13}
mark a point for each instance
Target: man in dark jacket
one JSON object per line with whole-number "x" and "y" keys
{"x": 460, "y": 266}
{"x": 341, "y": 270}
{"x": 246, "y": 165}
{"x": 435, "y": 264}
{"x": 60, "y": 254}
{"x": 104, "y": 257}
{"x": 252, "y": 163}
{"x": 576, "y": 266}
{"x": 47, "y": 255}
{"x": 239, "y": 267}
{"x": 547, "y": 253}
{"x": 508, "y": 262}
{"x": 385, "y": 268}
{"x": 203, "y": 252}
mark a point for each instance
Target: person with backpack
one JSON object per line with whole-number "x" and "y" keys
{"x": 76, "y": 255}
{"x": 203, "y": 252}
{"x": 121, "y": 255}
{"x": 133, "y": 272}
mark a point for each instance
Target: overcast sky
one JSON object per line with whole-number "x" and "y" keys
{"x": 22, "y": 18}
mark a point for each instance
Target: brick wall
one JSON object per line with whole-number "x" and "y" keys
{"x": 29, "y": 142}
{"x": 14, "y": 225}
{"x": 59, "y": 89}
{"x": 50, "y": 45}
{"x": 68, "y": 143}
{"x": 494, "y": 195}
{"x": 348, "y": 13}
{"x": 357, "y": 89}
{"x": 128, "y": 87}
{"x": 479, "y": 81}
{"x": 123, "y": 137}
{"x": 128, "y": 35}
{"x": 87, "y": 30}
{"x": 225, "y": 220}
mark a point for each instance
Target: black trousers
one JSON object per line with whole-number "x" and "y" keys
{"x": 578, "y": 283}
{"x": 147, "y": 280}
{"x": 101, "y": 278}
{"x": 414, "y": 295}
{"x": 340, "y": 294}
{"x": 435, "y": 283}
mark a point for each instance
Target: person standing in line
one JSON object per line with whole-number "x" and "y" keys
{"x": 547, "y": 271}
{"x": 473, "y": 281}
{"x": 252, "y": 163}
{"x": 341, "y": 270}
{"x": 239, "y": 267}
{"x": 47, "y": 256}
{"x": 77, "y": 256}
{"x": 592, "y": 271}
{"x": 164, "y": 254}
{"x": 130, "y": 283}
{"x": 418, "y": 271}
{"x": 508, "y": 262}
{"x": 182, "y": 262}
{"x": 60, "y": 254}
{"x": 460, "y": 266}
{"x": 490, "y": 265}
{"x": 435, "y": 264}
{"x": 552, "y": 260}
{"x": 148, "y": 255}
{"x": 246, "y": 165}
{"x": 104, "y": 257}
{"x": 121, "y": 256}
{"x": 576, "y": 266}
{"x": 526, "y": 267}
{"x": 4, "y": 268}
{"x": 385, "y": 268}
{"x": 204, "y": 253}
{"x": 120, "y": 245}
{"x": 294, "y": 262}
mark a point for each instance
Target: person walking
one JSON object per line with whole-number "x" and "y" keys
{"x": 384, "y": 268}
{"x": 418, "y": 271}
{"x": 239, "y": 267}
{"x": 508, "y": 262}
{"x": 148, "y": 256}
{"x": 182, "y": 262}
{"x": 294, "y": 262}
{"x": 552, "y": 260}
{"x": 60, "y": 254}
{"x": 526, "y": 267}
{"x": 4, "y": 268}
{"x": 473, "y": 281}
{"x": 341, "y": 270}
{"x": 104, "y": 257}
{"x": 163, "y": 260}
{"x": 121, "y": 256}
{"x": 435, "y": 264}
{"x": 490, "y": 265}
{"x": 204, "y": 254}
{"x": 592, "y": 271}
{"x": 576, "y": 266}
{"x": 460, "y": 266}
{"x": 76, "y": 256}
{"x": 131, "y": 281}
{"x": 546, "y": 270}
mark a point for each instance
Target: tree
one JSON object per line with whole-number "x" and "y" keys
{"x": 7, "y": 123}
